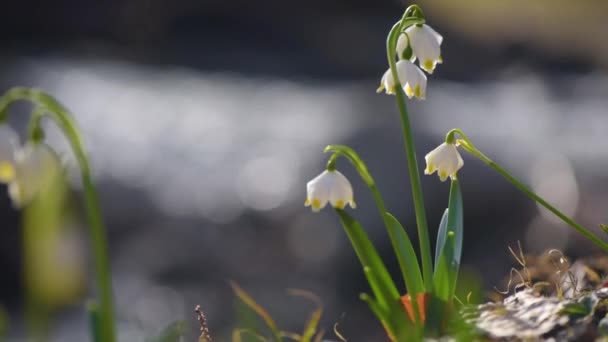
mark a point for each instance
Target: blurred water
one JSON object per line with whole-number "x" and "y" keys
{"x": 202, "y": 178}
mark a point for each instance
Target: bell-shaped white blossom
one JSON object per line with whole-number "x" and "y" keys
{"x": 412, "y": 79}
{"x": 329, "y": 187}
{"x": 36, "y": 166}
{"x": 445, "y": 159}
{"x": 9, "y": 140}
{"x": 403, "y": 43}
{"x": 426, "y": 45}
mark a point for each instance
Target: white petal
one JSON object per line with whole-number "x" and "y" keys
{"x": 412, "y": 79}
{"x": 36, "y": 166}
{"x": 387, "y": 83}
{"x": 437, "y": 36}
{"x": 426, "y": 46}
{"x": 317, "y": 191}
{"x": 341, "y": 191}
{"x": 9, "y": 140}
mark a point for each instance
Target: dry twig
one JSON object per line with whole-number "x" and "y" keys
{"x": 202, "y": 321}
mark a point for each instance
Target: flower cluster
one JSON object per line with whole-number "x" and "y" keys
{"x": 416, "y": 42}
{"x": 26, "y": 169}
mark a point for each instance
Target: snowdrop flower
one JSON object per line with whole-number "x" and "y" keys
{"x": 404, "y": 49}
{"x": 444, "y": 159}
{"x": 36, "y": 166}
{"x": 426, "y": 45}
{"x": 8, "y": 145}
{"x": 411, "y": 78}
{"x": 329, "y": 186}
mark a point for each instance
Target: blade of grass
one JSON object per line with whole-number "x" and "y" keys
{"x": 237, "y": 335}
{"x": 319, "y": 336}
{"x": 247, "y": 300}
{"x": 313, "y": 321}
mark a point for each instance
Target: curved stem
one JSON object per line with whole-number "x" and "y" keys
{"x": 421, "y": 221}
{"x": 359, "y": 165}
{"x": 98, "y": 233}
{"x": 468, "y": 146}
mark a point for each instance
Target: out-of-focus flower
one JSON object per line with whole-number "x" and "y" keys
{"x": 329, "y": 186}
{"x": 412, "y": 79}
{"x": 426, "y": 45}
{"x": 444, "y": 159}
{"x": 9, "y": 141}
{"x": 36, "y": 165}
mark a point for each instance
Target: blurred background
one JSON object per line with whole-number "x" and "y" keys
{"x": 205, "y": 119}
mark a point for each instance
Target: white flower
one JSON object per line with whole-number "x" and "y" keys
{"x": 426, "y": 45}
{"x": 403, "y": 43}
{"x": 329, "y": 186}
{"x": 412, "y": 79}
{"x": 444, "y": 159}
{"x": 9, "y": 140}
{"x": 36, "y": 166}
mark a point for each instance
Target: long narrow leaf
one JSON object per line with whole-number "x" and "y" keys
{"x": 368, "y": 256}
{"x": 406, "y": 257}
{"x": 441, "y": 233}
{"x": 378, "y": 311}
{"x": 456, "y": 225}
{"x": 378, "y": 288}
{"x": 251, "y": 303}
{"x": 387, "y": 306}
{"x": 446, "y": 272}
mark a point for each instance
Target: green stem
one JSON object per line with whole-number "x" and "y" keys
{"x": 359, "y": 165}
{"x": 421, "y": 222}
{"x": 98, "y": 233}
{"x": 468, "y": 146}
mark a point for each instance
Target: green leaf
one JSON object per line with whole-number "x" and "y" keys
{"x": 374, "y": 306}
{"x": 251, "y": 303}
{"x": 455, "y": 224}
{"x": 441, "y": 234}
{"x": 446, "y": 272}
{"x": 171, "y": 333}
{"x": 387, "y": 305}
{"x": 369, "y": 258}
{"x": 406, "y": 257}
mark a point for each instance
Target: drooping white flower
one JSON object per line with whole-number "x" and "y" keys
{"x": 412, "y": 79}
{"x": 9, "y": 140}
{"x": 426, "y": 45}
{"x": 444, "y": 159}
{"x": 36, "y": 165}
{"x": 329, "y": 187}
{"x": 403, "y": 46}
